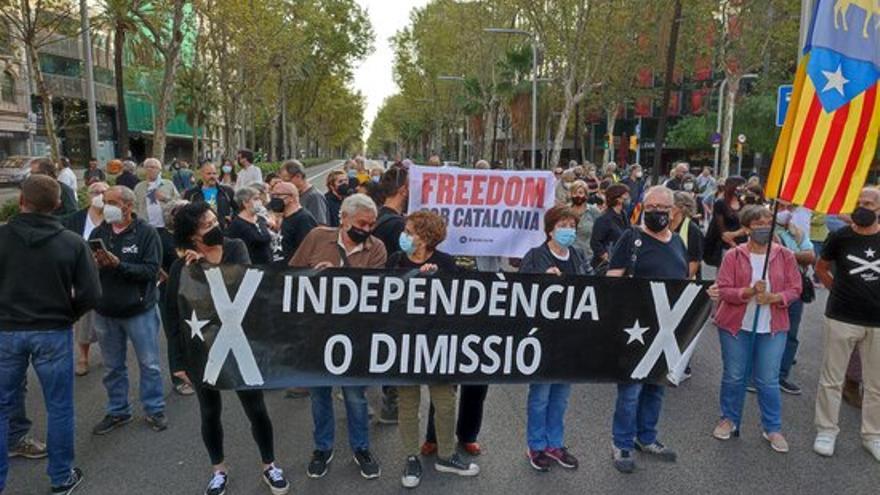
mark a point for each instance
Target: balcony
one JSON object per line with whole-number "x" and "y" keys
{"x": 74, "y": 87}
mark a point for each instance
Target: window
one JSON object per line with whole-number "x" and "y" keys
{"x": 62, "y": 66}
{"x": 7, "y": 88}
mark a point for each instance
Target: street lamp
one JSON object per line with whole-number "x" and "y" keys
{"x": 534, "y": 43}
{"x": 721, "y": 88}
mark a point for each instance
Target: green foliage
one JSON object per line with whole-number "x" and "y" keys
{"x": 8, "y": 210}
{"x": 692, "y": 132}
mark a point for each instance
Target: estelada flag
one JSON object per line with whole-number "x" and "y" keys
{"x": 830, "y": 134}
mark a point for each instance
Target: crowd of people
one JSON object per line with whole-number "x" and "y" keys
{"x": 110, "y": 273}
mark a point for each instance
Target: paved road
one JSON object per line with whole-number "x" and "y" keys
{"x": 137, "y": 460}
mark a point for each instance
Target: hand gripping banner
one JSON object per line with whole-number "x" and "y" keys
{"x": 277, "y": 327}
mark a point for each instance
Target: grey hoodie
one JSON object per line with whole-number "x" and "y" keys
{"x": 48, "y": 276}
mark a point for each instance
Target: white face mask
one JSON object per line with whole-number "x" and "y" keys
{"x": 112, "y": 214}
{"x": 98, "y": 202}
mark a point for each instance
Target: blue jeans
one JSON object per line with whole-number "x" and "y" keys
{"x": 51, "y": 352}
{"x": 545, "y": 427}
{"x": 636, "y": 414}
{"x": 795, "y": 312}
{"x": 113, "y": 335}
{"x": 19, "y": 424}
{"x": 325, "y": 421}
{"x": 766, "y": 353}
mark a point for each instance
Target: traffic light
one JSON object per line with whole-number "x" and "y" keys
{"x": 633, "y": 143}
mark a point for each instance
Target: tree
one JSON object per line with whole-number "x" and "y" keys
{"x": 116, "y": 16}
{"x": 163, "y": 22}
{"x": 35, "y": 25}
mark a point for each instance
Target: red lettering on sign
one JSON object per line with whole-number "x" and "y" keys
{"x": 496, "y": 191}
{"x": 477, "y": 198}
{"x": 513, "y": 191}
{"x": 461, "y": 189}
{"x": 445, "y": 189}
{"x": 533, "y": 195}
{"x": 427, "y": 186}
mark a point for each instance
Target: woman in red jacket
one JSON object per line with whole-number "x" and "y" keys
{"x": 752, "y": 319}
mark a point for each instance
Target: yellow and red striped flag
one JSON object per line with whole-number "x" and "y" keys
{"x": 830, "y": 134}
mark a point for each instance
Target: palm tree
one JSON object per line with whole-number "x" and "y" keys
{"x": 515, "y": 90}
{"x": 116, "y": 15}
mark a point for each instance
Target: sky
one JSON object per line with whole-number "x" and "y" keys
{"x": 374, "y": 77}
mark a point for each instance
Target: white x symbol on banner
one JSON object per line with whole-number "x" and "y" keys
{"x": 668, "y": 319}
{"x": 231, "y": 336}
{"x": 864, "y": 265}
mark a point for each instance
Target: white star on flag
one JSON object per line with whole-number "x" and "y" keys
{"x": 636, "y": 333}
{"x": 196, "y": 325}
{"x": 869, "y": 253}
{"x": 835, "y": 80}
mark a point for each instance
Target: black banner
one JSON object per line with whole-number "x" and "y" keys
{"x": 247, "y": 327}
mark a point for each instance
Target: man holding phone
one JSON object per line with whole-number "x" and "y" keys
{"x": 128, "y": 252}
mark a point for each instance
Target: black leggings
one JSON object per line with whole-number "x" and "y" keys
{"x": 211, "y": 407}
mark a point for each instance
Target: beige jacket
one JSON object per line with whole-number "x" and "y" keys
{"x": 166, "y": 188}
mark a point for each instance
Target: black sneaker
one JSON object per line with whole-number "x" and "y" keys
{"x": 274, "y": 478}
{"x": 412, "y": 473}
{"x": 455, "y": 465}
{"x": 388, "y": 414}
{"x": 623, "y": 460}
{"x": 158, "y": 421}
{"x": 320, "y": 461}
{"x": 76, "y": 477}
{"x": 657, "y": 449}
{"x": 217, "y": 485}
{"x": 110, "y": 423}
{"x": 789, "y": 387}
{"x": 369, "y": 465}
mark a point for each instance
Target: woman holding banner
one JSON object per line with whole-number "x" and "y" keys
{"x": 197, "y": 231}
{"x": 418, "y": 242}
{"x": 547, "y": 402}
{"x": 752, "y": 320}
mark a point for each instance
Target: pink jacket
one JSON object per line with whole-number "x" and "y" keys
{"x": 735, "y": 274}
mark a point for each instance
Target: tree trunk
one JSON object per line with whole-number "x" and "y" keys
{"x": 118, "y": 69}
{"x": 195, "y": 139}
{"x": 561, "y": 131}
{"x": 46, "y": 100}
{"x": 171, "y": 55}
{"x": 727, "y": 125}
{"x": 273, "y": 139}
{"x": 610, "y": 122}
{"x": 294, "y": 140}
{"x": 667, "y": 91}
{"x": 578, "y": 133}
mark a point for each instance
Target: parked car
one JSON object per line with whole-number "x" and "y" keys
{"x": 15, "y": 169}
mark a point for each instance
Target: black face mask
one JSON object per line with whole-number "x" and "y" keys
{"x": 578, "y": 200}
{"x": 213, "y": 237}
{"x": 863, "y": 217}
{"x": 595, "y": 199}
{"x": 359, "y": 236}
{"x": 343, "y": 189}
{"x": 276, "y": 205}
{"x": 656, "y": 221}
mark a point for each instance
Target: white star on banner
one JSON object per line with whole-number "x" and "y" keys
{"x": 835, "y": 80}
{"x": 196, "y": 325}
{"x": 869, "y": 253}
{"x": 636, "y": 333}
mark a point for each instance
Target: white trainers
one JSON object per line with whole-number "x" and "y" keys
{"x": 824, "y": 444}
{"x": 873, "y": 446}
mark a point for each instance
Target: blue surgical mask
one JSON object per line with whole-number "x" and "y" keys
{"x": 564, "y": 236}
{"x": 352, "y": 173}
{"x": 407, "y": 243}
{"x": 375, "y": 178}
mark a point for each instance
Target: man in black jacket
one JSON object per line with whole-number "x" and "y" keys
{"x": 129, "y": 261}
{"x": 51, "y": 280}
{"x": 220, "y": 197}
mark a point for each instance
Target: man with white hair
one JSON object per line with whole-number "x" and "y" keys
{"x": 349, "y": 245}
{"x": 677, "y": 180}
{"x": 129, "y": 262}
{"x": 650, "y": 250}
{"x": 153, "y": 193}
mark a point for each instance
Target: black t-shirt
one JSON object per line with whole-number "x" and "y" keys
{"x": 389, "y": 225}
{"x": 445, "y": 263}
{"x": 855, "y": 295}
{"x": 294, "y": 229}
{"x": 655, "y": 259}
{"x": 255, "y": 236}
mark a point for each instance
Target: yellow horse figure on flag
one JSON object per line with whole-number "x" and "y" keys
{"x": 871, "y": 7}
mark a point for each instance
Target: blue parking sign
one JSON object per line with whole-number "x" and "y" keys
{"x": 783, "y": 98}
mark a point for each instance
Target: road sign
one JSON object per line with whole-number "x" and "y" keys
{"x": 741, "y": 139}
{"x": 783, "y": 98}
{"x": 715, "y": 138}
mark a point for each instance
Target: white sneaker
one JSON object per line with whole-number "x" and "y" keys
{"x": 873, "y": 446}
{"x": 824, "y": 444}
